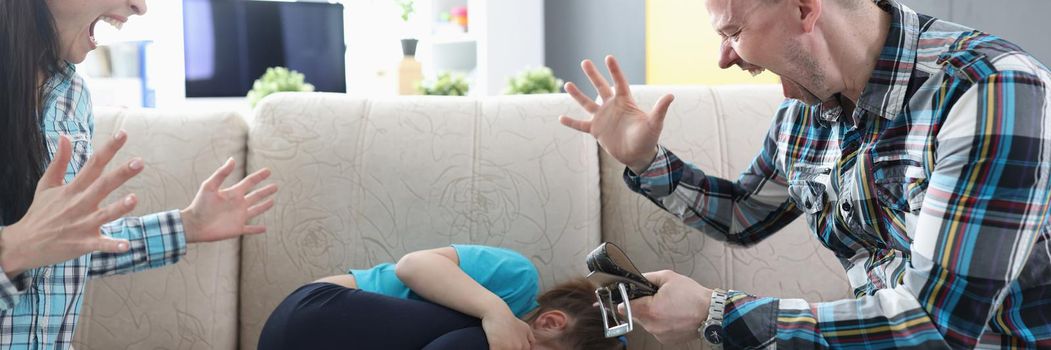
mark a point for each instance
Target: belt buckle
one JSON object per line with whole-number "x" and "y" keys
{"x": 609, "y": 312}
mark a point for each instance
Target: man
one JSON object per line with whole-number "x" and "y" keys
{"x": 918, "y": 150}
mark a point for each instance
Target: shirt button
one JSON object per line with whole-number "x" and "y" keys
{"x": 846, "y": 206}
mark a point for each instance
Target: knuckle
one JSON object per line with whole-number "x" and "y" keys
{"x": 101, "y": 216}
{"x": 87, "y": 164}
{"x": 96, "y": 245}
{"x": 95, "y": 194}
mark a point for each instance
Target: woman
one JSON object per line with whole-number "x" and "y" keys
{"x": 54, "y": 233}
{"x": 457, "y": 297}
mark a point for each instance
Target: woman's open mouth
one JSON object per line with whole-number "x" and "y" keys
{"x": 116, "y": 23}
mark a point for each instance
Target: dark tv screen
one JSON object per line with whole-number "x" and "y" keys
{"x": 230, "y": 43}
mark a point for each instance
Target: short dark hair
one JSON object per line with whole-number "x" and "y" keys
{"x": 576, "y": 298}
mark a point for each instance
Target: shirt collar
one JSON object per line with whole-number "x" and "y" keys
{"x": 60, "y": 80}
{"x": 886, "y": 90}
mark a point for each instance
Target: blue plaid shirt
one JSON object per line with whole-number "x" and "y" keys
{"x": 934, "y": 193}
{"x": 39, "y": 308}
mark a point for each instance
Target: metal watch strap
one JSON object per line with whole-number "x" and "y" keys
{"x": 715, "y": 320}
{"x": 715, "y": 310}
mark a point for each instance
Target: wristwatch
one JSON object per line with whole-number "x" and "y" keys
{"x": 712, "y": 329}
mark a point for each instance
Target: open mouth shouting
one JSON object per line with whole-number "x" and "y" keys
{"x": 115, "y": 21}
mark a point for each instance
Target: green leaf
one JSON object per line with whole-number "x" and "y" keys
{"x": 407, "y": 8}
{"x": 533, "y": 81}
{"x": 446, "y": 84}
{"x": 277, "y": 79}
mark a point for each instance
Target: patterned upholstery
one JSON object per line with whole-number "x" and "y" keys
{"x": 192, "y": 304}
{"x": 367, "y": 181}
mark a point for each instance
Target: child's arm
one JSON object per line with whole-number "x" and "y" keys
{"x": 435, "y": 274}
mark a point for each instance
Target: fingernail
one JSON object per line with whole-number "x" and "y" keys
{"x": 120, "y": 133}
{"x": 135, "y": 164}
{"x": 122, "y": 246}
{"x": 129, "y": 200}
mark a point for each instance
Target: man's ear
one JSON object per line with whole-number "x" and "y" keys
{"x": 552, "y": 320}
{"x": 809, "y": 12}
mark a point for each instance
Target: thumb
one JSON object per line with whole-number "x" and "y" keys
{"x": 660, "y": 277}
{"x": 578, "y": 125}
{"x": 660, "y": 109}
{"x": 213, "y": 182}
{"x": 108, "y": 245}
{"x": 639, "y": 306}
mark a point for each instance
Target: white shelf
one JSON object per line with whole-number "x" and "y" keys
{"x": 502, "y": 39}
{"x": 458, "y": 56}
{"x": 451, "y": 39}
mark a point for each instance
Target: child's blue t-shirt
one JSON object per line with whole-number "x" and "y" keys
{"x": 504, "y": 272}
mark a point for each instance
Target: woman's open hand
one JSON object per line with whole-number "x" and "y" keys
{"x": 65, "y": 220}
{"x": 221, "y": 213}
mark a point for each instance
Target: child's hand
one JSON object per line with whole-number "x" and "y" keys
{"x": 506, "y": 332}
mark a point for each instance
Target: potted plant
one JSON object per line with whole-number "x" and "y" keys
{"x": 447, "y": 84}
{"x": 533, "y": 81}
{"x": 410, "y": 71}
{"x": 277, "y": 79}
{"x": 407, "y": 7}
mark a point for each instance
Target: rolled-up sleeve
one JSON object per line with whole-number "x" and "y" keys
{"x": 744, "y": 211}
{"x": 155, "y": 240}
{"x": 11, "y": 290}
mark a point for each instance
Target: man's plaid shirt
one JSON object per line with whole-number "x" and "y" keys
{"x": 934, "y": 194}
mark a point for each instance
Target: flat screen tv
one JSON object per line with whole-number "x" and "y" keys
{"x": 230, "y": 43}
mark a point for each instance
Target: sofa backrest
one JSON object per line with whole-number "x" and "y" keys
{"x": 366, "y": 181}
{"x": 192, "y": 304}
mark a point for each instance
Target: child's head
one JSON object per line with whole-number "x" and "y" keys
{"x": 568, "y": 319}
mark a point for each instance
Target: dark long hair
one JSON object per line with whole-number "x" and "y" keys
{"x": 28, "y": 52}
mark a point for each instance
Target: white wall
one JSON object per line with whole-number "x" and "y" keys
{"x": 511, "y": 39}
{"x": 374, "y": 30}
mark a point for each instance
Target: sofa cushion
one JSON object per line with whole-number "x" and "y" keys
{"x": 366, "y": 181}
{"x": 192, "y": 304}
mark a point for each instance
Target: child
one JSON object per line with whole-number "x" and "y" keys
{"x": 456, "y": 297}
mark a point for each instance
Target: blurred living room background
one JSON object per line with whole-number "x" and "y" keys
{"x": 208, "y": 53}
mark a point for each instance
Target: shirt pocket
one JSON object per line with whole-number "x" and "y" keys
{"x": 900, "y": 183}
{"x": 81, "y": 143}
{"x": 807, "y": 185}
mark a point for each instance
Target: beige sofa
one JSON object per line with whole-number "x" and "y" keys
{"x": 365, "y": 181}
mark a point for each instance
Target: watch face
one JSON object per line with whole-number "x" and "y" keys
{"x": 713, "y": 334}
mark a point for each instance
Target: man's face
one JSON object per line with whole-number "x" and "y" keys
{"x": 763, "y": 34}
